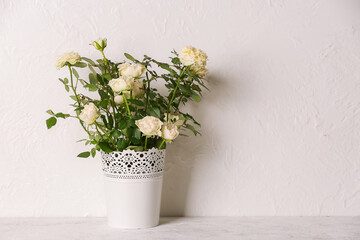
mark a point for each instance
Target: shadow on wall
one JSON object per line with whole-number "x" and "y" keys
{"x": 185, "y": 155}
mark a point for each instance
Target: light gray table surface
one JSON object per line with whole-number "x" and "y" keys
{"x": 252, "y": 228}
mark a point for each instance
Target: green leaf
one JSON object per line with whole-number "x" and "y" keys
{"x": 105, "y": 147}
{"x": 92, "y": 69}
{"x": 91, "y": 87}
{"x": 128, "y": 56}
{"x": 196, "y": 87}
{"x": 79, "y": 108}
{"x": 107, "y": 76}
{"x": 100, "y": 79}
{"x": 136, "y": 148}
{"x": 50, "y": 112}
{"x": 121, "y": 144}
{"x": 166, "y": 67}
{"x": 155, "y": 112}
{"x": 92, "y": 78}
{"x": 88, "y": 60}
{"x": 67, "y": 88}
{"x": 137, "y": 134}
{"x": 129, "y": 132}
{"x": 102, "y": 94}
{"x": 116, "y": 133}
{"x": 185, "y": 89}
{"x": 75, "y": 73}
{"x": 73, "y": 97}
{"x": 122, "y": 124}
{"x": 84, "y": 155}
{"x": 93, "y": 152}
{"x": 61, "y": 115}
{"x": 103, "y": 103}
{"x": 51, "y": 122}
{"x": 188, "y": 126}
{"x": 175, "y": 61}
{"x": 196, "y": 97}
{"x": 110, "y": 121}
{"x": 104, "y": 120}
{"x": 136, "y": 102}
{"x": 132, "y": 123}
{"x": 66, "y": 81}
{"x": 80, "y": 65}
{"x": 152, "y": 95}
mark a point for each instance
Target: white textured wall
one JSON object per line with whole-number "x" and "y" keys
{"x": 280, "y": 125}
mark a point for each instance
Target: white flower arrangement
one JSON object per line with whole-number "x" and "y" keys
{"x": 129, "y": 113}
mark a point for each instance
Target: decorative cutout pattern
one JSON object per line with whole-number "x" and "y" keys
{"x": 129, "y": 164}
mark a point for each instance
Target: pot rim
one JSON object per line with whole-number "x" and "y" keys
{"x": 153, "y": 149}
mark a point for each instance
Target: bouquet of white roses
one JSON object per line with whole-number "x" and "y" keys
{"x": 130, "y": 113}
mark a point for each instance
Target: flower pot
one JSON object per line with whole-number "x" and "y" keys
{"x": 133, "y": 183}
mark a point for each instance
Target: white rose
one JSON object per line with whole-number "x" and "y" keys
{"x": 131, "y": 70}
{"x": 121, "y": 84}
{"x": 177, "y": 119}
{"x": 190, "y": 55}
{"x": 118, "y": 99}
{"x": 89, "y": 114}
{"x": 138, "y": 89}
{"x": 169, "y": 131}
{"x": 200, "y": 58}
{"x": 149, "y": 126}
{"x": 100, "y": 43}
{"x": 70, "y": 57}
{"x": 199, "y": 70}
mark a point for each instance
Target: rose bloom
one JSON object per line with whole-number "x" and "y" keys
{"x": 70, "y": 57}
{"x": 199, "y": 70}
{"x": 102, "y": 42}
{"x": 89, "y": 114}
{"x": 131, "y": 70}
{"x": 149, "y": 125}
{"x": 118, "y": 99}
{"x": 190, "y": 55}
{"x": 121, "y": 84}
{"x": 138, "y": 89}
{"x": 175, "y": 119}
{"x": 169, "y": 131}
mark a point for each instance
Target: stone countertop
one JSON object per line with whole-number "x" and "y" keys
{"x": 249, "y": 228}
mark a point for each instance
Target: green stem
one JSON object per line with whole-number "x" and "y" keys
{"x": 72, "y": 85}
{"x": 108, "y": 69}
{"x": 106, "y": 61}
{"x": 113, "y": 107}
{"x": 127, "y": 106}
{"x": 172, "y": 98}
{"x": 97, "y": 129}
{"x": 146, "y": 138}
{"x": 147, "y": 92}
{"x": 100, "y": 127}
{"x": 162, "y": 143}
{"x": 77, "y": 98}
{"x": 179, "y": 102}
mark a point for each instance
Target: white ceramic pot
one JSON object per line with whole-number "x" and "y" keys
{"x": 133, "y": 183}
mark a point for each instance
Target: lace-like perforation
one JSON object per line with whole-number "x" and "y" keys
{"x": 129, "y": 164}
